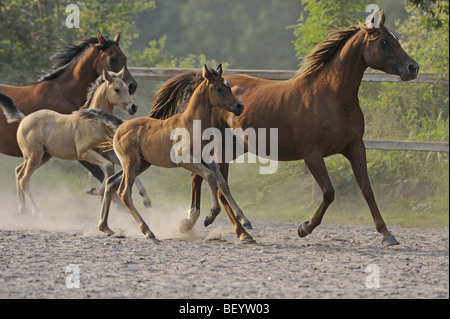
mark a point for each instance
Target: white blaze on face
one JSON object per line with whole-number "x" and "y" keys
{"x": 392, "y": 33}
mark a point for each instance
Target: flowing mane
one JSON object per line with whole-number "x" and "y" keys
{"x": 172, "y": 97}
{"x": 91, "y": 91}
{"x": 69, "y": 53}
{"x": 324, "y": 51}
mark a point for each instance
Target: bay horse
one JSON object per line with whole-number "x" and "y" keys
{"x": 44, "y": 134}
{"x": 142, "y": 142}
{"x": 317, "y": 112}
{"x": 64, "y": 89}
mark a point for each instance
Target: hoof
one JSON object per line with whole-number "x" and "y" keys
{"x": 207, "y": 222}
{"x": 302, "y": 229}
{"x": 185, "y": 225}
{"x": 154, "y": 240}
{"x": 390, "y": 241}
{"x": 147, "y": 203}
{"x": 247, "y": 240}
{"x": 93, "y": 191}
{"x": 247, "y": 225}
{"x": 108, "y": 232}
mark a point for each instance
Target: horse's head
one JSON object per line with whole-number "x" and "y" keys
{"x": 118, "y": 92}
{"x": 112, "y": 59}
{"x": 220, "y": 94}
{"x": 383, "y": 51}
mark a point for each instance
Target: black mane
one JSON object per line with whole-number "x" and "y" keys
{"x": 69, "y": 53}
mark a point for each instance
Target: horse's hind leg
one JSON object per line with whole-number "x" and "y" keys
{"x": 20, "y": 191}
{"x": 143, "y": 192}
{"x": 317, "y": 167}
{"x": 186, "y": 224}
{"x": 130, "y": 171}
{"x": 95, "y": 158}
{"x": 23, "y": 174}
{"x": 111, "y": 187}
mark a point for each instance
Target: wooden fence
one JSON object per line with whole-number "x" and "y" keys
{"x": 166, "y": 73}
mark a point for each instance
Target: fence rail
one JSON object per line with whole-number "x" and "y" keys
{"x": 166, "y": 73}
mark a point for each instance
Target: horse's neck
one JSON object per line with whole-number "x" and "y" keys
{"x": 100, "y": 99}
{"x": 343, "y": 74}
{"x": 78, "y": 76}
{"x": 198, "y": 107}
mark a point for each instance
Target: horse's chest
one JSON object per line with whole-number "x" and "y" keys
{"x": 338, "y": 132}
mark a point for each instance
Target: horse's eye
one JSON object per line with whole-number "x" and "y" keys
{"x": 219, "y": 90}
{"x": 383, "y": 42}
{"x": 113, "y": 60}
{"x": 117, "y": 91}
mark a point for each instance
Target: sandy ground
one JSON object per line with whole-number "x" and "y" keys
{"x": 66, "y": 257}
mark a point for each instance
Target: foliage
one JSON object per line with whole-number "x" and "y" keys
{"x": 110, "y": 17}
{"x": 34, "y": 27}
{"x": 157, "y": 55}
{"x": 320, "y": 16}
{"x": 248, "y": 34}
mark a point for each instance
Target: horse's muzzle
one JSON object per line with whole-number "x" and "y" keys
{"x": 238, "y": 109}
{"x": 132, "y": 109}
{"x": 411, "y": 72}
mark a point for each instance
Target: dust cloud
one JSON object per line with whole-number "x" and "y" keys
{"x": 62, "y": 210}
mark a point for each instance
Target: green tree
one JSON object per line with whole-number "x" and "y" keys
{"x": 110, "y": 17}
{"x": 320, "y": 16}
{"x": 31, "y": 29}
{"x": 247, "y": 34}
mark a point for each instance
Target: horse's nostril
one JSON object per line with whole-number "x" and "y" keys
{"x": 412, "y": 68}
{"x": 240, "y": 106}
{"x": 134, "y": 108}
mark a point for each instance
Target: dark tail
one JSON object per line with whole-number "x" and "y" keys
{"x": 108, "y": 119}
{"x": 172, "y": 97}
{"x": 10, "y": 110}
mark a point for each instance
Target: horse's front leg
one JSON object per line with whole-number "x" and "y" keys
{"x": 111, "y": 187}
{"x": 212, "y": 179}
{"x": 235, "y": 214}
{"x": 222, "y": 173}
{"x": 356, "y": 154}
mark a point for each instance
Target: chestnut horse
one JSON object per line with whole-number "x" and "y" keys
{"x": 317, "y": 112}
{"x": 141, "y": 142}
{"x": 64, "y": 89}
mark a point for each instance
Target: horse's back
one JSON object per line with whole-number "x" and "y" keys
{"x": 46, "y": 130}
{"x": 147, "y": 138}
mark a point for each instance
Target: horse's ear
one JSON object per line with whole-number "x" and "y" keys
{"x": 219, "y": 69}
{"x": 207, "y": 74}
{"x": 100, "y": 38}
{"x": 107, "y": 76}
{"x": 381, "y": 19}
{"x": 121, "y": 73}
{"x": 117, "y": 37}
